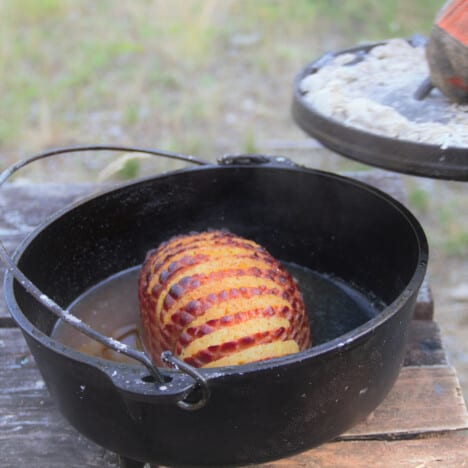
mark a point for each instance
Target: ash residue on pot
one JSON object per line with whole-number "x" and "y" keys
{"x": 374, "y": 92}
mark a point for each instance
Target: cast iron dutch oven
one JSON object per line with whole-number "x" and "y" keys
{"x": 241, "y": 414}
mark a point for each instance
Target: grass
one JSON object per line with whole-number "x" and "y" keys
{"x": 130, "y": 169}
{"x": 442, "y": 208}
{"x": 418, "y": 199}
{"x": 74, "y": 72}
{"x": 453, "y": 235}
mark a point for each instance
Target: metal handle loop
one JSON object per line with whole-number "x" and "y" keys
{"x": 32, "y": 289}
{"x": 202, "y": 383}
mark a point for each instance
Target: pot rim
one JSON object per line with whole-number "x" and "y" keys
{"x": 336, "y": 345}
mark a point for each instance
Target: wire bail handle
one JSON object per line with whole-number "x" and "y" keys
{"x": 74, "y": 321}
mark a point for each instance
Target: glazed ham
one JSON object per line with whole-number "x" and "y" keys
{"x": 216, "y": 299}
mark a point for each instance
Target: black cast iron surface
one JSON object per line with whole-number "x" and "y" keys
{"x": 256, "y": 412}
{"x": 422, "y": 159}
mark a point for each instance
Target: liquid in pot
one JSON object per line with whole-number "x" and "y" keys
{"x": 111, "y": 307}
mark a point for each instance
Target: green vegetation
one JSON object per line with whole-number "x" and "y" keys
{"x": 442, "y": 208}
{"x": 418, "y": 199}
{"x": 457, "y": 243}
{"x": 130, "y": 169}
{"x": 250, "y": 146}
{"x": 148, "y": 71}
{"x": 452, "y": 232}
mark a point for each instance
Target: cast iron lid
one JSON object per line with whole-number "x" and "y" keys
{"x": 405, "y": 156}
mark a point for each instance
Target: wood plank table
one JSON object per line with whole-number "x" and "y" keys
{"x": 423, "y": 422}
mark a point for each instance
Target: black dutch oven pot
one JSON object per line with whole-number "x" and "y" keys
{"x": 239, "y": 414}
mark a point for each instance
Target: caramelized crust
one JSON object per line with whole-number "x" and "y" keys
{"x": 216, "y": 299}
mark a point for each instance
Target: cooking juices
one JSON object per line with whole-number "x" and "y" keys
{"x": 111, "y": 308}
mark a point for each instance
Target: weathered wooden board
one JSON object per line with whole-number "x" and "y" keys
{"x": 23, "y": 207}
{"x": 446, "y": 450}
{"x": 424, "y": 309}
{"x": 424, "y": 344}
{"x": 424, "y": 401}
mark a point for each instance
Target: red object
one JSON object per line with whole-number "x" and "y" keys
{"x": 454, "y": 20}
{"x": 457, "y": 82}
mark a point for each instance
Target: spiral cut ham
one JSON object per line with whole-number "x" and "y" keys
{"x": 216, "y": 299}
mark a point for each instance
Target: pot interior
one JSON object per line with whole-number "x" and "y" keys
{"x": 111, "y": 307}
{"x": 332, "y": 226}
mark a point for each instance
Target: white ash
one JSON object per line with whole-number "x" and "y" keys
{"x": 67, "y": 317}
{"x": 376, "y": 95}
{"x": 39, "y": 384}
